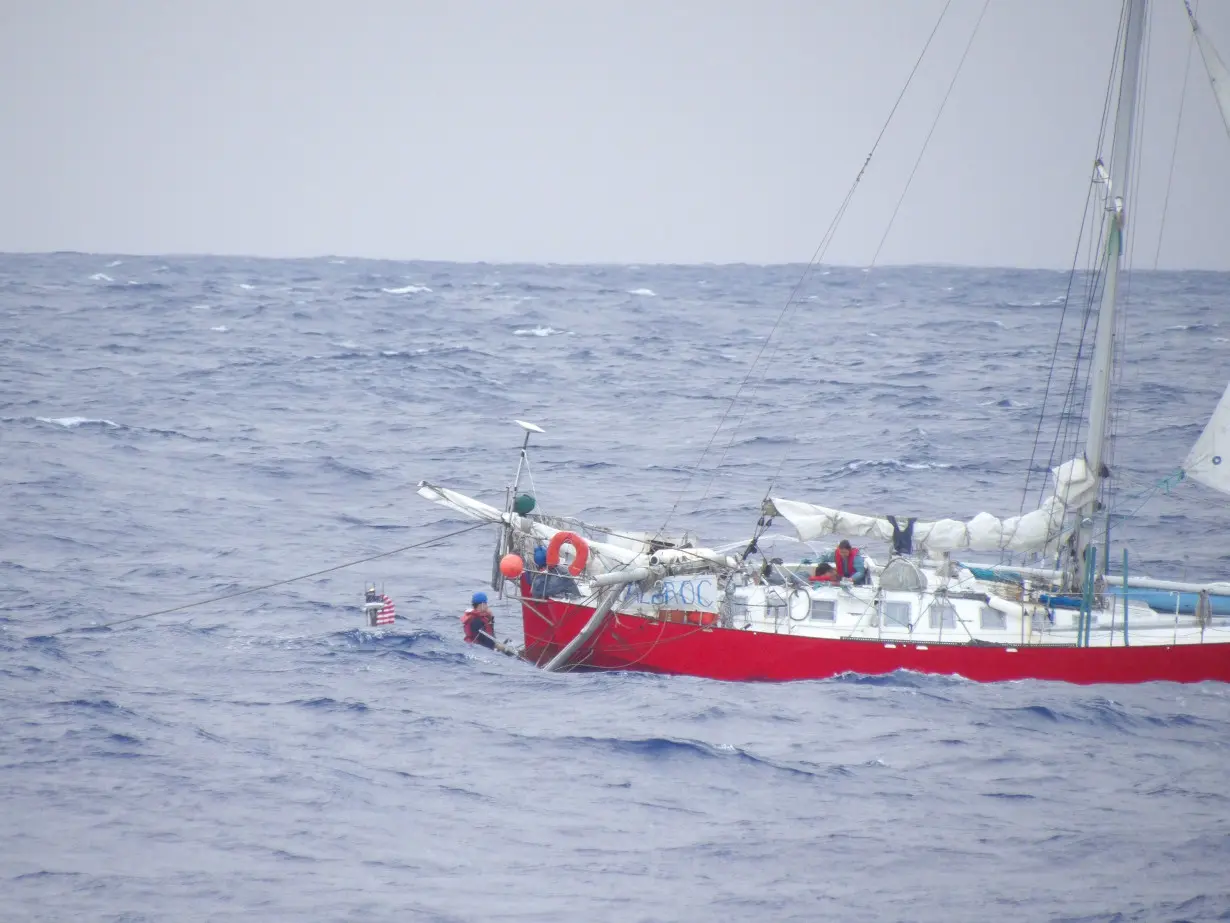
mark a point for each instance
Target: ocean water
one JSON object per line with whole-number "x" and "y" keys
{"x": 179, "y": 429}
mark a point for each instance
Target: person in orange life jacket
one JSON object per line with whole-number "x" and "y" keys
{"x": 824, "y": 574}
{"x": 848, "y": 563}
{"x": 478, "y": 622}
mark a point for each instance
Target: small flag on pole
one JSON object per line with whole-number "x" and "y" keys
{"x": 378, "y": 609}
{"x": 388, "y": 613}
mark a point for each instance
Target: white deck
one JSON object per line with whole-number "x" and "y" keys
{"x": 954, "y": 611}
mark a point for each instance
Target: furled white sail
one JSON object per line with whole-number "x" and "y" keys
{"x": 1219, "y": 76}
{"x": 603, "y": 557}
{"x": 460, "y": 503}
{"x": 1209, "y": 460}
{"x": 1035, "y": 531}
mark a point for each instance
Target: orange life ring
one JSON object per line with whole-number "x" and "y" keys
{"x": 579, "y": 545}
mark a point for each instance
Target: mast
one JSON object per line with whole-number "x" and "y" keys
{"x": 1115, "y": 176}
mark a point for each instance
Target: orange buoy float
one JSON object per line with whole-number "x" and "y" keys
{"x": 579, "y": 545}
{"x": 511, "y": 566}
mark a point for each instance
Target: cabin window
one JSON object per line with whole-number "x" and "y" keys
{"x": 992, "y": 618}
{"x": 942, "y": 615}
{"x": 824, "y": 610}
{"x": 896, "y": 614}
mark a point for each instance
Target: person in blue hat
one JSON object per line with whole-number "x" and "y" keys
{"x": 551, "y": 581}
{"x": 538, "y": 580}
{"x": 478, "y": 623}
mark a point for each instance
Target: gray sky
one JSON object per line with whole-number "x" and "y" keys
{"x": 588, "y": 130}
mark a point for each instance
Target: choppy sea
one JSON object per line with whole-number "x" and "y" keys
{"x": 177, "y": 429}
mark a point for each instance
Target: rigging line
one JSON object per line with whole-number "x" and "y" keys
{"x": 1068, "y": 432}
{"x": 1067, "y": 295}
{"x": 934, "y": 124}
{"x": 1123, "y": 517}
{"x": 819, "y": 252}
{"x": 1073, "y": 406}
{"x": 269, "y": 586}
{"x": 1174, "y": 151}
{"x": 1092, "y": 273}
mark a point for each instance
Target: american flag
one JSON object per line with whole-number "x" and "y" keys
{"x": 387, "y": 614}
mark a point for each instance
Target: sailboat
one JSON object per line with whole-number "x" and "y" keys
{"x": 598, "y": 598}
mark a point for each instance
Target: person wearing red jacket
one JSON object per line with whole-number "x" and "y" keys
{"x": 824, "y": 574}
{"x": 478, "y": 623}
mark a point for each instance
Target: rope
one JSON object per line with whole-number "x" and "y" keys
{"x": 1167, "y": 484}
{"x": 816, "y": 256}
{"x": 1174, "y": 151}
{"x": 269, "y": 586}
{"x": 934, "y": 124}
{"x": 1062, "y": 432}
{"x": 905, "y": 190}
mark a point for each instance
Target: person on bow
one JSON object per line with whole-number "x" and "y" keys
{"x": 538, "y": 582}
{"x": 549, "y": 582}
{"x": 478, "y": 623}
{"x": 849, "y": 563}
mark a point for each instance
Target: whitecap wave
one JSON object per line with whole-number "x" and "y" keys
{"x": 537, "y": 332}
{"x": 894, "y": 464}
{"x": 221, "y": 329}
{"x": 644, "y": 292}
{"x": 71, "y": 422}
{"x": 246, "y": 286}
{"x": 115, "y": 263}
{"x": 101, "y": 277}
{"x": 406, "y": 290}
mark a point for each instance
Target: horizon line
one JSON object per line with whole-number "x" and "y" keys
{"x": 624, "y": 264}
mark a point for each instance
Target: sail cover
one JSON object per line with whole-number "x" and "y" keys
{"x": 1209, "y": 460}
{"x": 1035, "y": 531}
{"x": 1219, "y": 76}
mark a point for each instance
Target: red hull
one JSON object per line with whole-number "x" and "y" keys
{"x": 636, "y": 643}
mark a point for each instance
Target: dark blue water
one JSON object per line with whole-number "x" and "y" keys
{"x": 179, "y": 428}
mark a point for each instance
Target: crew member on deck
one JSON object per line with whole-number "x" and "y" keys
{"x": 849, "y": 563}
{"x": 478, "y": 622}
{"x": 551, "y": 582}
{"x": 824, "y": 574}
{"x": 538, "y": 583}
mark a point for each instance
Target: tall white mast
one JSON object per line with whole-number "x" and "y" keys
{"x": 1116, "y": 175}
